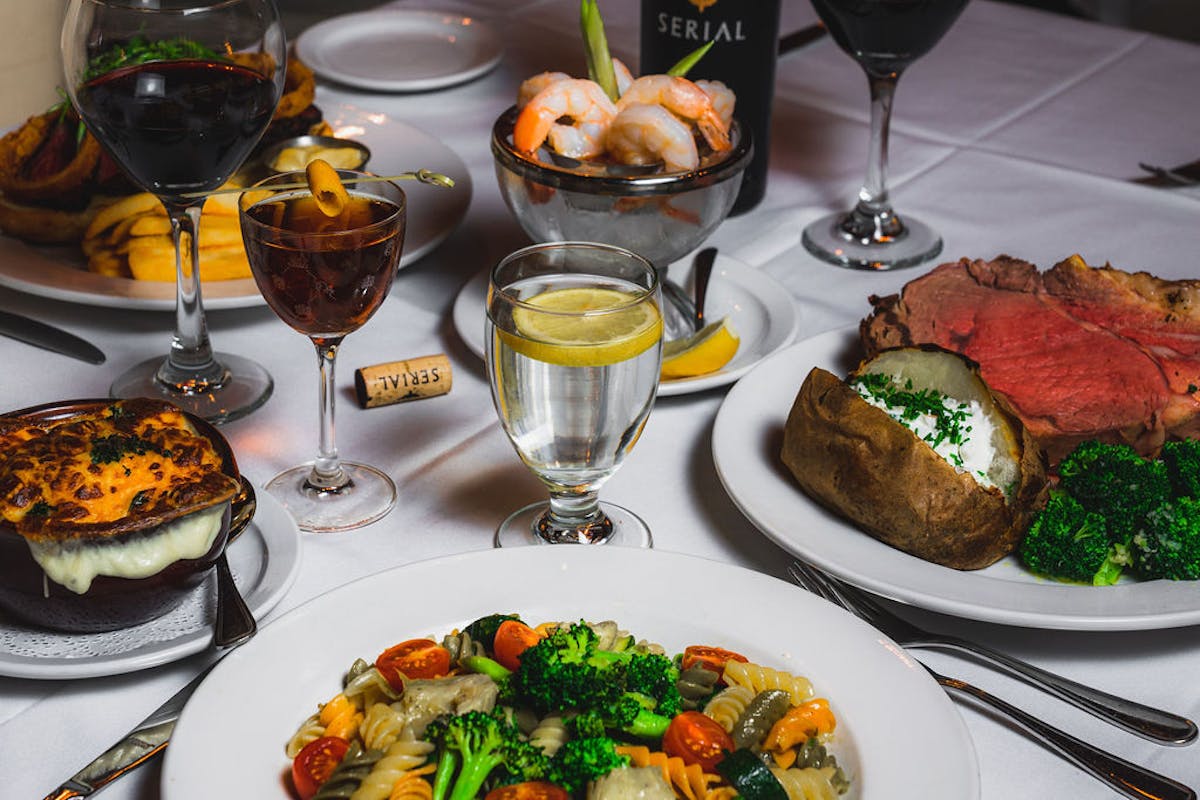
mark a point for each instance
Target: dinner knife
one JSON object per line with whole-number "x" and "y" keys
{"x": 39, "y": 334}
{"x": 147, "y": 739}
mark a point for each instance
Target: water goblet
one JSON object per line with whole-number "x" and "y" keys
{"x": 884, "y": 36}
{"x": 325, "y": 276}
{"x": 574, "y": 348}
{"x": 179, "y": 92}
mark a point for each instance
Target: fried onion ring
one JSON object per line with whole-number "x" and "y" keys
{"x": 18, "y": 147}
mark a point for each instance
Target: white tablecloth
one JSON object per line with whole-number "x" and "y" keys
{"x": 1016, "y": 135}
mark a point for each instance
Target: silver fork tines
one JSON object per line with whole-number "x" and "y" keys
{"x": 1151, "y": 723}
{"x": 1129, "y": 779}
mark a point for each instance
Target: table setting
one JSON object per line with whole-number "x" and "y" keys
{"x": 503, "y": 435}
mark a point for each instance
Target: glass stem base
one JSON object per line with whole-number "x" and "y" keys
{"x": 861, "y": 240}
{"x": 615, "y": 526}
{"x": 366, "y": 495}
{"x": 225, "y": 389}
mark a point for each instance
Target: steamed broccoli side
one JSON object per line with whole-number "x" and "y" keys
{"x": 1069, "y": 542}
{"x": 474, "y": 746}
{"x": 1182, "y": 460}
{"x": 1169, "y": 546}
{"x": 1114, "y": 481}
{"x": 627, "y": 689}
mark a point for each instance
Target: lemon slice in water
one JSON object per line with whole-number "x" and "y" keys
{"x": 584, "y": 327}
{"x": 705, "y": 351}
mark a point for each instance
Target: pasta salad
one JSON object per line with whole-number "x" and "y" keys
{"x": 503, "y": 710}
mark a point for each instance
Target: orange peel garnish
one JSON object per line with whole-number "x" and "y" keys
{"x": 326, "y": 187}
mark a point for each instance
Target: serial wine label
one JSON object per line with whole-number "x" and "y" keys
{"x": 402, "y": 381}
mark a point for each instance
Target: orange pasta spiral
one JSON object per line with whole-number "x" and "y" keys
{"x": 688, "y": 780}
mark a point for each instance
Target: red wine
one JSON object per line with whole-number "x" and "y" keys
{"x": 885, "y": 36}
{"x": 179, "y": 126}
{"x": 744, "y": 35}
{"x": 323, "y": 276}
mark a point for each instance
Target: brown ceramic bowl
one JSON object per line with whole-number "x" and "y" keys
{"x": 110, "y": 603}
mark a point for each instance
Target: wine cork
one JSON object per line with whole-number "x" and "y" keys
{"x": 401, "y": 381}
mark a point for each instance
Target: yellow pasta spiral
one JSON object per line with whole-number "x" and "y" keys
{"x": 810, "y": 783}
{"x": 688, "y": 780}
{"x": 758, "y": 678}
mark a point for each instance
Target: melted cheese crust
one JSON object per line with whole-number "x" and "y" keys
{"x": 107, "y": 472}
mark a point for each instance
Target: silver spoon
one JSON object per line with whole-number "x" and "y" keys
{"x": 702, "y": 267}
{"x": 233, "y": 623}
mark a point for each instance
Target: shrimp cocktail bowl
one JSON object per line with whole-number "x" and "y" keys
{"x": 659, "y": 214}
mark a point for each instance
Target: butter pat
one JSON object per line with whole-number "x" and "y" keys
{"x": 75, "y": 565}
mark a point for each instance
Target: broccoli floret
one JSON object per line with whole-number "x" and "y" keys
{"x": 1116, "y": 482}
{"x": 476, "y": 745}
{"x": 1068, "y": 542}
{"x": 579, "y": 761}
{"x": 1169, "y": 546}
{"x": 1182, "y": 460}
{"x": 630, "y": 690}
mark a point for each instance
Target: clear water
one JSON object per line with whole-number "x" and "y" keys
{"x": 573, "y": 426}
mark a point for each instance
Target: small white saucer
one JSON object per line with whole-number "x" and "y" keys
{"x": 397, "y": 50}
{"x": 760, "y": 309}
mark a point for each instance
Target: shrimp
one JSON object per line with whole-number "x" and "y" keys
{"x": 531, "y": 86}
{"x": 683, "y": 98}
{"x": 581, "y": 100}
{"x": 647, "y": 134}
{"x": 723, "y": 99}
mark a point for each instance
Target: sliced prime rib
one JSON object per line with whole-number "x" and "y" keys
{"x": 1077, "y": 352}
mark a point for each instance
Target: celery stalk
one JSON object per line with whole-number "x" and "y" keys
{"x": 681, "y": 67}
{"x": 595, "y": 45}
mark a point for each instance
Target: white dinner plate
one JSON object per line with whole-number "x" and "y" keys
{"x": 272, "y": 683}
{"x": 747, "y": 437}
{"x": 433, "y": 213}
{"x": 398, "y": 50}
{"x": 265, "y": 560}
{"x": 760, "y": 309}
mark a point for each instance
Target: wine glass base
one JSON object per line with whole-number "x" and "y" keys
{"x": 628, "y": 529}
{"x": 244, "y": 386}
{"x": 368, "y": 496}
{"x": 825, "y": 239}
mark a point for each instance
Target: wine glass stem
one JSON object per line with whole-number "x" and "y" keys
{"x": 872, "y": 219}
{"x": 327, "y": 473}
{"x": 189, "y": 367}
{"x": 574, "y": 518}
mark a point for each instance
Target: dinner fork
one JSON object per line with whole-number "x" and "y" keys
{"x": 1127, "y": 778}
{"x": 1151, "y": 723}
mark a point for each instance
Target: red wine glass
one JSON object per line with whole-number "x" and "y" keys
{"x": 325, "y": 276}
{"x": 179, "y": 92}
{"x": 884, "y": 37}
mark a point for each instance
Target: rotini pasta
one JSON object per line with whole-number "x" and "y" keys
{"x": 809, "y": 783}
{"x": 404, "y": 755}
{"x": 565, "y": 713}
{"x": 728, "y": 705}
{"x": 689, "y": 780}
{"x": 757, "y": 678}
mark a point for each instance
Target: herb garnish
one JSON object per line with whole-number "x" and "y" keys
{"x": 140, "y": 50}
{"x": 111, "y": 449}
{"x": 948, "y": 415}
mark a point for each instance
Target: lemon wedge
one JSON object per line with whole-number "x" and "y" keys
{"x": 584, "y": 327}
{"x": 705, "y": 351}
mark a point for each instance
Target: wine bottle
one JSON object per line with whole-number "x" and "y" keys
{"x": 745, "y": 37}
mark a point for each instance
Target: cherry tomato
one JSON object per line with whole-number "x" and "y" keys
{"x": 416, "y": 658}
{"x": 712, "y": 658}
{"x": 313, "y": 765}
{"x": 530, "y": 790}
{"x": 513, "y": 638}
{"x": 697, "y": 739}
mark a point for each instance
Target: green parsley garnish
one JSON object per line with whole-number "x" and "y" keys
{"x": 948, "y": 415}
{"x": 140, "y": 50}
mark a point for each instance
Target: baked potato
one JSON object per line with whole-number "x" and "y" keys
{"x": 853, "y": 457}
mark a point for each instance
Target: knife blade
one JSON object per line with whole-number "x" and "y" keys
{"x": 147, "y": 739}
{"x": 797, "y": 39}
{"x": 39, "y": 334}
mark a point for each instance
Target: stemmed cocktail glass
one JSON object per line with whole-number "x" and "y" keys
{"x": 179, "y": 92}
{"x": 325, "y": 274}
{"x": 574, "y": 348}
{"x": 884, "y": 36}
